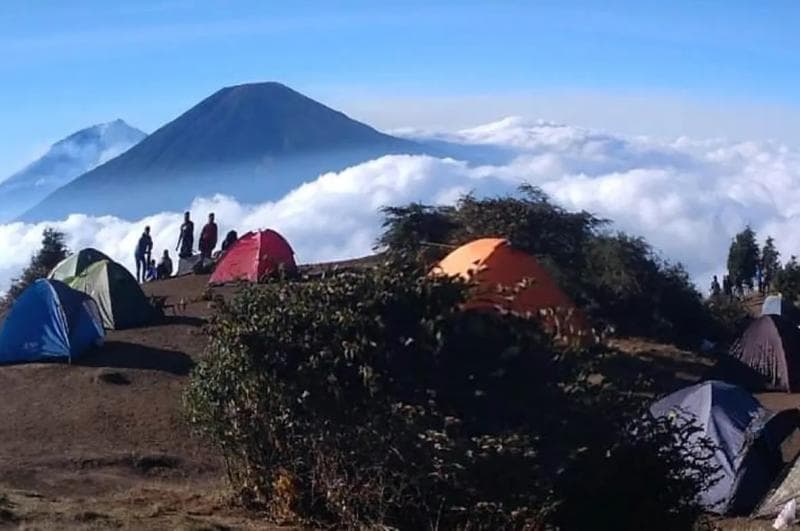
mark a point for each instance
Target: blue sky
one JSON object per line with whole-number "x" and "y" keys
{"x": 697, "y": 68}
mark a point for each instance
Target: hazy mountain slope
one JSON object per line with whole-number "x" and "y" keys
{"x": 64, "y": 161}
{"x": 255, "y": 141}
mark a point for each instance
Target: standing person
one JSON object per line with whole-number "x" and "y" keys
{"x": 716, "y": 289}
{"x": 208, "y": 238}
{"x": 164, "y": 269}
{"x": 143, "y": 250}
{"x": 186, "y": 238}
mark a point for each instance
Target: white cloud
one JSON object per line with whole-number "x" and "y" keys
{"x": 687, "y": 197}
{"x": 665, "y": 113}
{"x": 334, "y": 217}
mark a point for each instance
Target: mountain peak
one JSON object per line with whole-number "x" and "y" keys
{"x": 274, "y": 105}
{"x": 107, "y": 133}
{"x": 259, "y": 86}
{"x": 252, "y": 121}
{"x": 66, "y": 159}
{"x": 119, "y": 123}
{"x": 256, "y": 139}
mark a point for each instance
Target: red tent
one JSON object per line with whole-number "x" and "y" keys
{"x": 253, "y": 256}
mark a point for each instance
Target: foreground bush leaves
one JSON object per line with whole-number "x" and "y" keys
{"x": 368, "y": 399}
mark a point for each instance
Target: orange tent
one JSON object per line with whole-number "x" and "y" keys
{"x": 496, "y": 267}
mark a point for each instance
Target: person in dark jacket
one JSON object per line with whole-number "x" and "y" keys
{"x": 144, "y": 249}
{"x": 186, "y": 238}
{"x": 208, "y": 238}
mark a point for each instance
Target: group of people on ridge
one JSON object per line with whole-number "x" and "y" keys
{"x": 146, "y": 268}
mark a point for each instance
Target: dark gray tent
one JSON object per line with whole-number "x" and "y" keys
{"x": 771, "y": 346}
{"x": 748, "y": 452}
{"x": 194, "y": 264}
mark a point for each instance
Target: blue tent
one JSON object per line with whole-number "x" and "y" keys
{"x": 49, "y": 320}
{"x": 746, "y": 436}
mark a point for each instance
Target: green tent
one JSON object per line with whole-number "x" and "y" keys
{"x": 121, "y": 300}
{"x": 75, "y": 264}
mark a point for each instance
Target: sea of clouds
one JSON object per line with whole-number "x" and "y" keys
{"x": 687, "y": 197}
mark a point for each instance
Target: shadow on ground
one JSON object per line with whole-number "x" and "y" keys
{"x": 122, "y": 355}
{"x": 182, "y": 320}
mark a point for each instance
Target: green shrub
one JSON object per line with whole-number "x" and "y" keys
{"x": 645, "y": 479}
{"x": 618, "y": 279}
{"x": 731, "y": 317}
{"x": 628, "y": 287}
{"x": 367, "y": 398}
{"x": 529, "y": 221}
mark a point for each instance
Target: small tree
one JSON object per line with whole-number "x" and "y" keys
{"x": 770, "y": 263}
{"x": 53, "y": 250}
{"x": 743, "y": 260}
{"x": 619, "y": 280}
{"x": 418, "y": 228}
{"x": 787, "y": 281}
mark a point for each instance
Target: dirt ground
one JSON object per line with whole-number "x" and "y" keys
{"x": 102, "y": 444}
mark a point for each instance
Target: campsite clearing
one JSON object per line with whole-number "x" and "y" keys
{"x": 103, "y": 443}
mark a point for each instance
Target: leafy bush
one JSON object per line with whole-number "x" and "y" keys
{"x": 630, "y": 288}
{"x": 350, "y": 392}
{"x": 731, "y": 318}
{"x": 53, "y": 250}
{"x": 646, "y": 479}
{"x": 618, "y": 279}
{"x": 367, "y": 398}
{"x": 530, "y": 222}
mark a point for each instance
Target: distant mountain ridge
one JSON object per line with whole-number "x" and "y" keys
{"x": 65, "y": 160}
{"x": 256, "y": 142}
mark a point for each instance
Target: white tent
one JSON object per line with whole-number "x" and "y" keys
{"x": 773, "y": 305}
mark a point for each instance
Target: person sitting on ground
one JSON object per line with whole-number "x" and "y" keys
{"x": 229, "y": 240}
{"x": 186, "y": 238}
{"x": 143, "y": 250}
{"x": 164, "y": 269}
{"x": 151, "y": 274}
{"x": 208, "y": 238}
